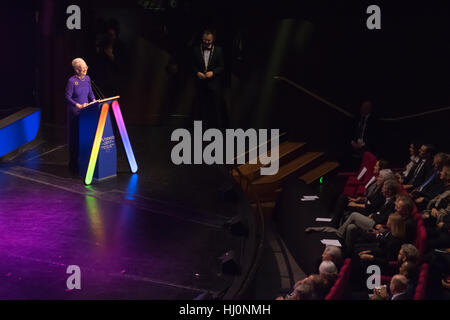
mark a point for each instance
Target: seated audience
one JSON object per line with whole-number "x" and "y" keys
{"x": 320, "y": 286}
{"x": 398, "y": 290}
{"x": 328, "y": 271}
{"x": 386, "y": 244}
{"x": 410, "y": 270}
{"x": 433, "y": 186}
{"x": 357, "y": 222}
{"x": 422, "y": 170}
{"x": 389, "y": 188}
{"x": 375, "y": 200}
{"x": 380, "y": 227}
{"x": 303, "y": 291}
{"x": 408, "y": 252}
{"x": 437, "y": 215}
{"x": 413, "y": 160}
{"x": 334, "y": 254}
{"x": 372, "y": 187}
{"x": 405, "y": 208}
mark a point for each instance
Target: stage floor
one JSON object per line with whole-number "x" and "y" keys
{"x": 156, "y": 234}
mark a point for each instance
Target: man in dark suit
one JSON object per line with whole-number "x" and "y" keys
{"x": 208, "y": 66}
{"x": 365, "y": 134}
{"x": 433, "y": 186}
{"x": 423, "y": 169}
{"x": 350, "y": 230}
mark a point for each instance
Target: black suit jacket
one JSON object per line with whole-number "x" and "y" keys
{"x": 388, "y": 247}
{"x": 370, "y": 132}
{"x": 381, "y": 216}
{"x": 216, "y": 65}
{"x": 410, "y": 227}
{"x": 374, "y": 202}
{"x": 425, "y": 172}
{"x": 433, "y": 189}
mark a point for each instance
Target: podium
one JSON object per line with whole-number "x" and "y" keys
{"x": 97, "y": 153}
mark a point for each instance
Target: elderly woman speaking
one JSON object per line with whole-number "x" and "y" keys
{"x": 78, "y": 94}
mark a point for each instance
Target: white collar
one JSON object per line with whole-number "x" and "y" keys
{"x": 397, "y": 294}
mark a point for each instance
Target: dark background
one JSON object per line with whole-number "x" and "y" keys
{"x": 323, "y": 46}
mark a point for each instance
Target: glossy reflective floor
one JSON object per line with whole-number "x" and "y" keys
{"x": 156, "y": 234}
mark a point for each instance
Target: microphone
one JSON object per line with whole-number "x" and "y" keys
{"x": 97, "y": 93}
{"x": 102, "y": 96}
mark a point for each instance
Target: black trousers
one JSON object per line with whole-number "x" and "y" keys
{"x": 209, "y": 106}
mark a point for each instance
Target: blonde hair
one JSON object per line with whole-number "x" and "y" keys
{"x": 397, "y": 226}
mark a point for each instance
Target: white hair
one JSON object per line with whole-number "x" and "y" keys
{"x": 327, "y": 269}
{"x": 335, "y": 253}
{"x": 386, "y": 174}
{"x": 304, "y": 291}
{"x": 77, "y": 62}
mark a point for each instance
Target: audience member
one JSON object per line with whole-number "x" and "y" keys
{"x": 334, "y": 254}
{"x": 433, "y": 186}
{"x": 328, "y": 271}
{"x": 408, "y": 252}
{"x": 410, "y": 270}
{"x": 398, "y": 290}
{"x": 423, "y": 169}
{"x": 373, "y": 201}
{"x": 437, "y": 217}
{"x": 387, "y": 244}
{"x": 413, "y": 159}
{"x": 357, "y": 222}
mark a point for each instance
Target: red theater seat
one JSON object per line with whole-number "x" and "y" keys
{"x": 421, "y": 288}
{"x": 339, "y": 289}
{"x": 421, "y": 233}
{"x": 419, "y": 242}
{"x": 355, "y": 187}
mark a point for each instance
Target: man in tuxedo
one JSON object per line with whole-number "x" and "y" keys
{"x": 423, "y": 169}
{"x": 208, "y": 66}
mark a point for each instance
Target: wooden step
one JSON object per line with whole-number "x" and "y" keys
{"x": 244, "y": 155}
{"x": 297, "y": 166}
{"x": 319, "y": 171}
{"x": 287, "y": 151}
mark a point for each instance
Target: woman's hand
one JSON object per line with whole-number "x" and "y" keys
{"x": 381, "y": 293}
{"x": 420, "y": 200}
{"x": 366, "y": 257}
{"x": 85, "y": 105}
{"x": 354, "y": 204}
{"x": 445, "y": 284}
{"x": 79, "y": 106}
{"x": 434, "y": 212}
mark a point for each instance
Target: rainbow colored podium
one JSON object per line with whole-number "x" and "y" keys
{"x": 97, "y": 153}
